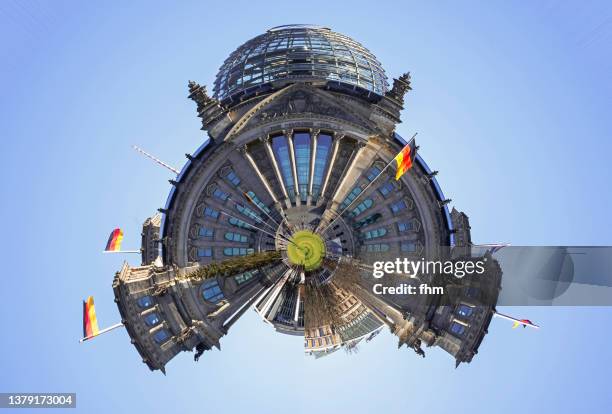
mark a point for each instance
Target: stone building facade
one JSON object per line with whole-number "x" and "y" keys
{"x": 301, "y": 137}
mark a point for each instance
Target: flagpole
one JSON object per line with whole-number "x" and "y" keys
{"x": 250, "y": 200}
{"x": 510, "y": 318}
{"x": 263, "y": 222}
{"x": 110, "y": 328}
{"x": 157, "y": 160}
{"x": 284, "y": 220}
{"x": 367, "y": 186}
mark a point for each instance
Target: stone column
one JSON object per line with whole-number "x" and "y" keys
{"x": 251, "y": 161}
{"x": 314, "y": 136}
{"x": 353, "y": 171}
{"x": 289, "y": 135}
{"x": 336, "y": 143}
{"x": 279, "y": 176}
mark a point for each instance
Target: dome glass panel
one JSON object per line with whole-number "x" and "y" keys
{"x": 299, "y": 52}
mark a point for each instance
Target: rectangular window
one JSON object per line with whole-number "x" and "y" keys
{"x": 398, "y": 206}
{"x": 301, "y": 145}
{"x": 236, "y": 237}
{"x": 237, "y": 251}
{"x": 145, "y": 302}
{"x": 457, "y": 329}
{"x": 280, "y": 148}
{"x": 152, "y": 319}
{"x": 465, "y": 310}
{"x": 324, "y": 142}
{"x": 211, "y": 212}
{"x": 373, "y": 173}
{"x": 232, "y": 178}
{"x": 204, "y": 252}
{"x": 377, "y": 248}
{"x": 221, "y": 195}
{"x": 205, "y": 232}
{"x": 405, "y": 226}
{"x": 386, "y": 189}
{"x": 161, "y": 336}
{"x": 244, "y": 277}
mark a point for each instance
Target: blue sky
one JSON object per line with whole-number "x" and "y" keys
{"x": 512, "y": 105}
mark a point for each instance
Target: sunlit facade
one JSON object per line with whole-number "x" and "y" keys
{"x": 302, "y": 140}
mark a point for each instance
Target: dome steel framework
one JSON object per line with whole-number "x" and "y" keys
{"x": 292, "y": 52}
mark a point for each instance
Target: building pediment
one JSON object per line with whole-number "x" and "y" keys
{"x": 300, "y": 101}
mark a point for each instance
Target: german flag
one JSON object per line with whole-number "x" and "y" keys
{"x": 523, "y": 323}
{"x": 114, "y": 241}
{"x": 90, "y": 321}
{"x": 404, "y": 159}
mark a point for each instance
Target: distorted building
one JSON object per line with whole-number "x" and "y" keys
{"x": 167, "y": 310}
{"x": 354, "y": 322}
{"x": 301, "y": 137}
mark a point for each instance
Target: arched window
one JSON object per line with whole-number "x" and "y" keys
{"x": 151, "y": 319}
{"x": 238, "y": 223}
{"x": 408, "y": 247}
{"x": 350, "y": 197}
{"x": 248, "y": 212}
{"x": 237, "y": 251}
{"x": 363, "y": 206}
{"x": 373, "y": 234}
{"x": 211, "y": 291}
{"x": 258, "y": 202}
{"x": 371, "y": 219}
{"x": 377, "y": 247}
{"x": 145, "y": 302}
{"x": 235, "y": 237}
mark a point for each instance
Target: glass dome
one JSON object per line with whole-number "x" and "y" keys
{"x": 299, "y": 52}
